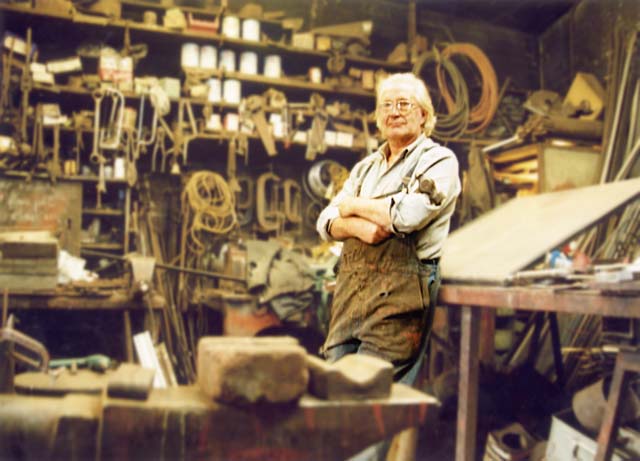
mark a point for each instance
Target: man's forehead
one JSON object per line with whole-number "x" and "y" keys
{"x": 396, "y": 91}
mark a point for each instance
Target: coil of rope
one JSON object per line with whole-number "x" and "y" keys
{"x": 209, "y": 206}
{"x": 482, "y": 113}
{"x": 454, "y": 123}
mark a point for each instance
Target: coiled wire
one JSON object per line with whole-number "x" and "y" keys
{"x": 454, "y": 123}
{"x": 483, "y": 112}
{"x": 209, "y": 206}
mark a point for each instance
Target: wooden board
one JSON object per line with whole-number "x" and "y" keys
{"x": 510, "y": 238}
{"x": 40, "y": 205}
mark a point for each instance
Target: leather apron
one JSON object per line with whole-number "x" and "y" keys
{"x": 382, "y": 300}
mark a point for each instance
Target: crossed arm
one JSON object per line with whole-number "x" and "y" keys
{"x": 364, "y": 218}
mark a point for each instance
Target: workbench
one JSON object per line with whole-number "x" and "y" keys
{"x": 104, "y": 296}
{"x": 182, "y": 423}
{"x": 476, "y": 299}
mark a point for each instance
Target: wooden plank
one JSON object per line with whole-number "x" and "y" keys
{"x": 516, "y": 179}
{"x": 513, "y": 236}
{"x": 513, "y": 155}
{"x": 28, "y": 282}
{"x": 528, "y": 166}
{"x": 540, "y": 299}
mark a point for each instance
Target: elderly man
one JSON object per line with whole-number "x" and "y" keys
{"x": 393, "y": 214}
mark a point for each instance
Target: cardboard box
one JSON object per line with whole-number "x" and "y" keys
{"x": 586, "y": 88}
{"x": 303, "y": 40}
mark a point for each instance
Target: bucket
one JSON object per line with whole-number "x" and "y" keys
{"x": 190, "y": 55}
{"x": 215, "y": 90}
{"x": 150, "y": 18}
{"x": 119, "y": 168}
{"x": 249, "y": 62}
{"x": 231, "y": 122}
{"x": 208, "y": 57}
{"x": 228, "y": 60}
{"x": 231, "y": 92}
{"x": 231, "y": 27}
{"x": 251, "y": 30}
{"x": 273, "y": 66}
{"x": 315, "y": 75}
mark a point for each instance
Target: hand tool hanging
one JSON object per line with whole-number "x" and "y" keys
{"x": 7, "y": 69}
{"x": 315, "y": 141}
{"x": 37, "y": 140}
{"x": 277, "y": 101}
{"x": 106, "y": 138}
{"x": 142, "y": 141}
{"x": 180, "y": 140}
{"x": 269, "y": 216}
{"x": 245, "y": 200}
{"x": 253, "y": 107}
{"x": 26, "y": 84}
{"x": 292, "y": 201}
{"x": 161, "y": 147}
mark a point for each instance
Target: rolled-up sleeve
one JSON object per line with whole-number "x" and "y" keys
{"x": 413, "y": 210}
{"x": 331, "y": 211}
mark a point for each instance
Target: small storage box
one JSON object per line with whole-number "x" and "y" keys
{"x": 568, "y": 442}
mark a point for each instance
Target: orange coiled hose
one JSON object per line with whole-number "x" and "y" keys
{"x": 482, "y": 113}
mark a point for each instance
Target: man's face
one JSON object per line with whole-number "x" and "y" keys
{"x": 399, "y": 117}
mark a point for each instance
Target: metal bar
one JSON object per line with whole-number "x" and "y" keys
{"x": 468, "y": 385}
{"x": 5, "y": 307}
{"x": 631, "y": 46}
{"x": 535, "y": 339}
{"x": 169, "y": 266}
{"x": 557, "y": 348}
{"x": 487, "y": 338}
{"x": 128, "y": 335}
{"x": 609, "y": 427}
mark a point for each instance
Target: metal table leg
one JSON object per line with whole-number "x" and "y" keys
{"x": 625, "y": 362}
{"x": 468, "y": 384}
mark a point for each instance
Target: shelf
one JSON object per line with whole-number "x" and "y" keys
{"x": 282, "y": 82}
{"x": 102, "y": 212}
{"x": 195, "y": 101}
{"x": 95, "y": 179}
{"x": 211, "y": 11}
{"x": 26, "y": 174}
{"x": 101, "y": 246}
{"x": 99, "y": 21}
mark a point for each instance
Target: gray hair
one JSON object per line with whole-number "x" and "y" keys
{"x": 420, "y": 93}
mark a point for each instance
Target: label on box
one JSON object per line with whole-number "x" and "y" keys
{"x": 303, "y": 40}
{"x": 344, "y": 139}
{"x": 60, "y": 66}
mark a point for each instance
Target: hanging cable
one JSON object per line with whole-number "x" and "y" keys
{"x": 482, "y": 113}
{"x": 208, "y": 204}
{"x": 453, "y": 123}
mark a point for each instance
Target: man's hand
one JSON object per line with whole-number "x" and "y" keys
{"x": 347, "y": 207}
{"x": 372, "y": 233}
{"x": 360, "y": 228}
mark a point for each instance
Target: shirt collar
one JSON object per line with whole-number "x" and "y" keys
{"x": 407, "y": 150}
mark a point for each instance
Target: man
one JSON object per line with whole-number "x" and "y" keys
{"x": 393, "y": 214}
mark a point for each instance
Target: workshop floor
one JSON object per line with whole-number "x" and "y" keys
{"x": 437, "y": 441}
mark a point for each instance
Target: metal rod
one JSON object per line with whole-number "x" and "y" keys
{"x": 5, "y": 307}
{"x": 618, "y": 107}
{"x": 170, "y": 267}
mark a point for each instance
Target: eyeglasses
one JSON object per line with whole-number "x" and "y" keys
{"x": 403, "y": 106}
